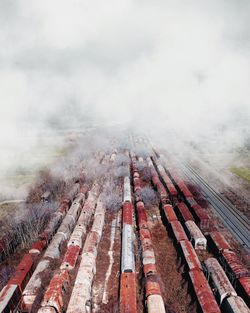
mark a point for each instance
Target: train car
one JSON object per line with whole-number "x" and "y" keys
{"x": 162, "y": 193}
{"x": 55, "y": 293}
{"x": 201, "y": 217}
{"x": 235, "y": 305}
{"x": 243, "y": 288}
{"x": 183, "y": 212}
{"x": 148, "y": 256}
{"x": 37, "y": 247}
{"x": 189, "y": 256}
{"x": 178, "y": 232}
{"x": 169, "y": 213}
{"x": 222, "y": 286}
{"x": 127, "y": 262}
{"x": 53, "y": 251}
{"x": 217, "y": 243}
{"x": 167, "y": 182}
{"x": 203, "y": 292}
{"x": 127, "y": 301}
{"x": 233, "y": 265}
{"x": 70, "y": 258}
{"x": 10, "y": 297}
{"x": 127, "y": 213}
{"x": 181, "y": 186}
{"x": 137, "y": 184}
{"x": 154, "y": 299}
{"x": 33, "y": 288}
{"x": 141, "y": 214}
{"x": 127, "y": 190}
{"x": 149, "y": 269}
{"x": 80, "y": 299}
{"x": 23, "y": 272}
{"x": 195, "y": 235}
{"x": 155, "y": 304}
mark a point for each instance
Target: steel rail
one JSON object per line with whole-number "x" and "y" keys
{"x": 231, "y": 217}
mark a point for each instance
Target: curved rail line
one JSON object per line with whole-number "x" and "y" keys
{"x": 232, "y": 218}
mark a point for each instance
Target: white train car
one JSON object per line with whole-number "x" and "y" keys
{"x": 127, "y": 190}
{"x": 34, "y": 286}
{"x": 223, "y": 287}
{"x": 155, "y": 304}
{"x": 80, "y": 300}
{"x": 127, "y": 262}
{"x": 235, "y": 305}
{"x": 195, "y": 235}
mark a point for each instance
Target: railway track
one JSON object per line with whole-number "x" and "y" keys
{"x": 232, "y": 218}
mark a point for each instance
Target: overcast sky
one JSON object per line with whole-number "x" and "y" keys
{"x": 180, "y": 65}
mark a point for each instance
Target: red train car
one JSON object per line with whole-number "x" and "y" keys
{"x": 178, "y": 232}
{"x": 203, "y": 292}
{"x": 169, "y": 213}
{"x": 38, "y": 246}
{"x": 70, "y": 258}
{"x": 183, "y": 212}
{"x": 189, "y": 256}
{"x": 201, "y": 216}
{"x": 55, "y": 294}
{"x": 142, "y": 216}
{"x": 217, "y": 242}
{"x": 181, "y": 186}
{"x": 128, "y": 301}
{"x": 127, "y": 212}
{"x": 167, "y": 181}
{"x": 162, "y": 192}
{"x": 23, "y": 272}
{"x": 233, "y": 265}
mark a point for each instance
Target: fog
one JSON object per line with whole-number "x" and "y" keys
{"x": 174, "y": 69}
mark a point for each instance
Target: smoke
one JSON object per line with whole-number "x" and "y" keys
{"x": 173, "y": 69}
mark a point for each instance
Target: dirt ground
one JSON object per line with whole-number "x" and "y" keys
{"x": 106, "y": 295}
{"x": 174, "y": 285}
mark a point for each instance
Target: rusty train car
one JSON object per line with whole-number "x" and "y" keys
{"x": 11, "y": 294}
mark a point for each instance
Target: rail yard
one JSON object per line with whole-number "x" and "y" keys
{"x": 131, "y": 236}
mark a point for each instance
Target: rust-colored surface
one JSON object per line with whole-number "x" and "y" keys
{"x": 201, "y": 216}
{"x": 91, "y": 242}
{"x": 152, "y": 285}
{"x": 155, "y": 178}
{"x": 37, "y": 246}
{"x": 127, "y": 213}
{"x": 181, "y": 185}
{"x": 170, "y": 186}
{"x": 144, "y": 234}
{"x": 173, "y": 286}
{"x": 149, "y": 269}
{"x": 22, "y": 272}
{"x": 183, "y": 212}
{"x": 189, "y": 255}
{"x": 217, "y": 242}
{"x": 178, "y": 231}
{"x": 70, "y": 258}
{"x": 234, "y": 265}
{"x": 56, "y": 291}
{"x": 141, "y": 213}
{"x": 128, "y": 302}
{"x": 203, "y": 292}
{"x": 169, "y": 213}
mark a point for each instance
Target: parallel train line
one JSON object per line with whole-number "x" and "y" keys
{"x": 231, "y": 217}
